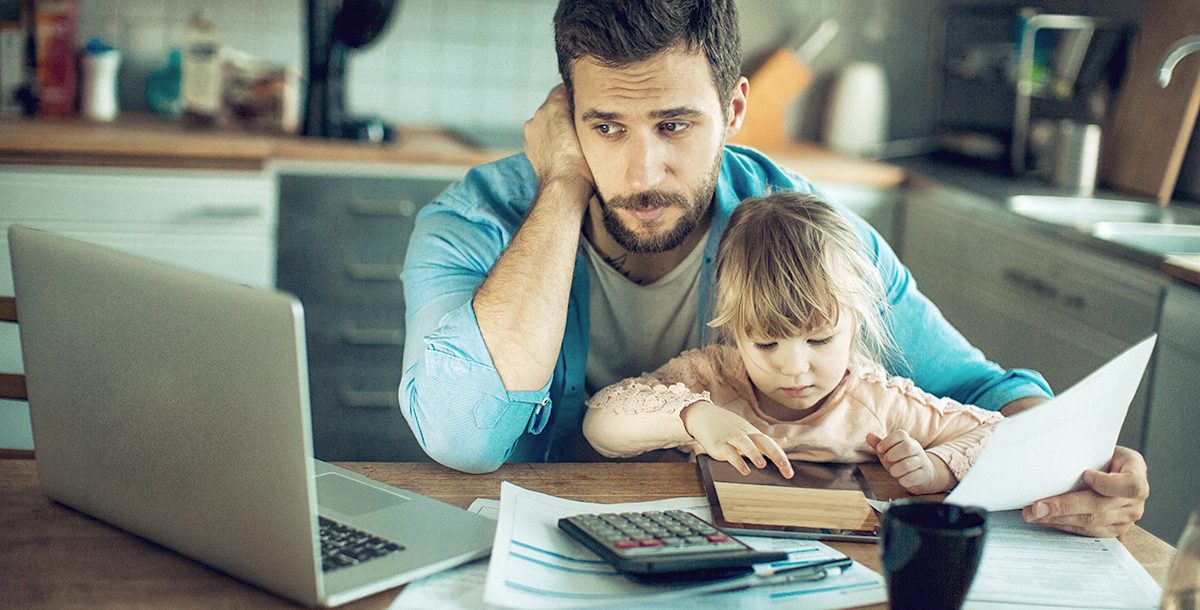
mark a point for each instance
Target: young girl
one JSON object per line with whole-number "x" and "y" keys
{"x": 795, "y": 372}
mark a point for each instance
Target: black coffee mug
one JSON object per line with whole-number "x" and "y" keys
{"x": 930, "y": 553}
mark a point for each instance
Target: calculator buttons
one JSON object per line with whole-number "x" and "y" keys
{"x": 655, "y": 533}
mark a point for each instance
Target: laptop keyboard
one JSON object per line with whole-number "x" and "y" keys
{"x": 342, "y": 545}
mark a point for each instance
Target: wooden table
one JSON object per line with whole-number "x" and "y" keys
{"x": 53, "y": 556}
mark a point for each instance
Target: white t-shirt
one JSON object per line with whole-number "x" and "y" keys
{"x": 637, "y": 328}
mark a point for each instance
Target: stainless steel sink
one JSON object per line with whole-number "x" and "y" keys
{"x": 1160, "y": 238}
{"x": 1086, "y": 212}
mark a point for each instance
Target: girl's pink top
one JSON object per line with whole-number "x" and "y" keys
{"x": 643, "y": 413}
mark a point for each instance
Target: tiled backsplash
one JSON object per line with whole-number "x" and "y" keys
{"x": 489, "y": 63}
{"x": 462, "y": 63}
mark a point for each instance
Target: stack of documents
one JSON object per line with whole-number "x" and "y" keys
{"x": 1030, "y": 567}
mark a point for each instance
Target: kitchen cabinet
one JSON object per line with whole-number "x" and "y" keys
{"x": 1174, "y": 423}
{"x": 218, "y": 222}
{"x": 881, "y": 207}
{"x": 1024, "y": 299}
{"x": 343, "y": 234}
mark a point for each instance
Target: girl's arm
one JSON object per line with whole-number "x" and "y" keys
{"x": 949, "y": 435}
{"x": 637, "y": 415}
{"x": 672, "y": 408}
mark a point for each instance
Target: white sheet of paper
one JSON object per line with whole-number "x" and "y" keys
{"x": 1027, "y": 566}
{"x": 1043, "y": 452}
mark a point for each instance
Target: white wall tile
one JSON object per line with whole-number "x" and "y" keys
{"x": 454, "y": 62}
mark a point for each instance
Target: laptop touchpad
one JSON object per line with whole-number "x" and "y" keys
{"x": 353, "y": 498}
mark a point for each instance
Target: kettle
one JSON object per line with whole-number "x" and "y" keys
{"x": 856, "y": 118}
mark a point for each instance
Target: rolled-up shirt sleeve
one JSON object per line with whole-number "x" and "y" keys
{"x": 450, "y": 392}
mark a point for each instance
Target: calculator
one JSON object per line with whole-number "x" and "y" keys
{"x": 657, "y": 546}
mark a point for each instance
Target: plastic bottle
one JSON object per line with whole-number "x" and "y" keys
{"x": 98, "y": 98}
{"x": 1183, "y": 583}
{"x": 202, "y": 73}
{"x": 162, "y": 86}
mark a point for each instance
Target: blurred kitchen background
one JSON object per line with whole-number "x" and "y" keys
{"x": 978, "y": 169}
{"x": 485, "y": 65}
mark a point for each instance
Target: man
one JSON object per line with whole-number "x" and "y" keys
{"x": 546, "y": 276}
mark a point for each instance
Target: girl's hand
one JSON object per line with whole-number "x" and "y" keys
{"x": 725, "y": 436}
{"x": 907, "y": 461}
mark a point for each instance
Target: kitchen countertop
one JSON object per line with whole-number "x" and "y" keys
{"x": 142, "y": 140}
{"x": 1183, "y": 268}
{"x": 149, "y": 141}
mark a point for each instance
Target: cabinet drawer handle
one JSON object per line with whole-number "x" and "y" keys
{"x": 365, "y": 399}
{"x": 367, "y": 207}
{"x": 228, "y": 212}
{"x": 1075, "y": 301}
{"x": 373, "y": 336}
{"x": 369, "y": 272}
{"x": 1030, "y": 283}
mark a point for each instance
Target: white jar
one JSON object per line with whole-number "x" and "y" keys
{"x": 101, "y": 64}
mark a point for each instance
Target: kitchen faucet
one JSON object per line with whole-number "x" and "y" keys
{"x": 1181, "y": 48}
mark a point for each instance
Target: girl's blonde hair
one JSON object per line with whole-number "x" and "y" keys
{"x": 788, "y": 264}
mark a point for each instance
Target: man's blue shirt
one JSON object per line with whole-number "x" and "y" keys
{"x": 452, "y": 395}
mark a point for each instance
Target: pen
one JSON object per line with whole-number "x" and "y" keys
{"x": 769, "y": 575}
{"x": 774, "y": 573}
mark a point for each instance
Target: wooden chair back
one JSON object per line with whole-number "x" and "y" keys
{"x": 12, "y": 385}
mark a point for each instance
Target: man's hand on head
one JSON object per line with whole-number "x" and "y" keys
{"x": 553, "y": 146}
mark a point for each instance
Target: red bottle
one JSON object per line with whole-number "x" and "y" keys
{"x": 55, "y": 22}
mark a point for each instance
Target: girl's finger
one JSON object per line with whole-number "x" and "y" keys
{"x": 775, "y": 453}
{"x": 906, "y": 466}
{"x": 913, "y": 479}
{"x": 727, "y": 453}
{"x": 903, "y": 451}
{"x": 873, "y": 440}
{"x": 746, "y": 447}
{"x": 890, "y": 441}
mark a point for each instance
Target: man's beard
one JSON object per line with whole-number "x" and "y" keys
{"x": 693, "y": 211}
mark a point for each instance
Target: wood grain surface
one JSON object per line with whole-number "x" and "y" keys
{"x": 53, "y": 557}
{"x": 1146, "y": 134}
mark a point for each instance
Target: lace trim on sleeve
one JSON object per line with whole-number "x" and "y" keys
{"x": 961, "y": 460}
{"x": 643, "y": 395}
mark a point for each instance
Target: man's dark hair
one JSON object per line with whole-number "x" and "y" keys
{"x": 619, "y": 33}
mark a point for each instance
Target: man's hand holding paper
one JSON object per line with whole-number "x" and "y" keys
{"x": 1062, "y": 456}
{"x": 1115, "y": 500}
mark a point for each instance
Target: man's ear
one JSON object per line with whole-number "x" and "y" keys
{"x": 737, "y": 106}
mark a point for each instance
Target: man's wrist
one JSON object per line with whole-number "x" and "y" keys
{"x": 1022, "y": 404}
{"x": 573, "y": 188}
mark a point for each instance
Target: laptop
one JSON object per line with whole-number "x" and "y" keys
{"x": 174, "y": 405}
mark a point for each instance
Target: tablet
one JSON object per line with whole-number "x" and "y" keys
{"x": 823, "y": 501}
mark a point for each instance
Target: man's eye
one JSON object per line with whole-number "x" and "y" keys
{"x": 673, "y": 126}
{"x": 766, "y": 347}
{"x": 606, "y": 129}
